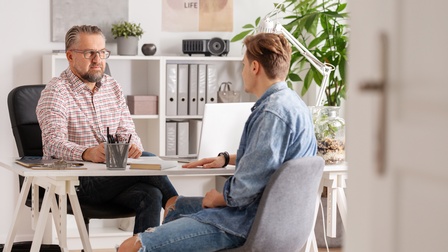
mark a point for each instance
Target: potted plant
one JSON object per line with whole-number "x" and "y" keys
{"x": 127, "y": 35}
{"x": 321, "y": 27}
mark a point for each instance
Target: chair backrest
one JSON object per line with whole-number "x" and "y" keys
{"x": 285, "y": 216}
{"x": 22, "y": 102}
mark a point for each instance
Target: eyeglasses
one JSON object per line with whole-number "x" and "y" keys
{"x": 89, "y": 54}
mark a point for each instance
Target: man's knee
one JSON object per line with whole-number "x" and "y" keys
{"x": 132, "y": 244}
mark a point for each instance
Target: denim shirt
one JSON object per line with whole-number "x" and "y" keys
{"x": 279, "y": 128}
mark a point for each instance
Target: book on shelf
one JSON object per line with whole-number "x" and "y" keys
{"x": 151, "y": 163}
{"x": 39, "y": 163}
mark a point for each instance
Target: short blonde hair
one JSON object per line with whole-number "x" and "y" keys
{"x": 272, "y": 51}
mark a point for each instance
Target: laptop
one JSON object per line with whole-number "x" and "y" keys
{"x": 222, "y": 127}
{"x": 221, "y": 130}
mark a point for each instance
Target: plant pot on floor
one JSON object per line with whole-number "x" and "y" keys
{"x": 127, "y": 46}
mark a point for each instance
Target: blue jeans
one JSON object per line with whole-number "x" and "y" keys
{"x": 185, "y": 234}
{"x": 144, "y": 194}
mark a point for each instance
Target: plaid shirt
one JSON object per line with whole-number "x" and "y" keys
{"x": 74, "y": 118}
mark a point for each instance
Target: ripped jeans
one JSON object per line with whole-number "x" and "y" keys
{"x": 186, "y": 234}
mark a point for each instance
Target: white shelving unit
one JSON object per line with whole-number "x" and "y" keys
{"x": 141, "y": 75}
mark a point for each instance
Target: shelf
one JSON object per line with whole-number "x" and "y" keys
{"x": 183, "y": 117}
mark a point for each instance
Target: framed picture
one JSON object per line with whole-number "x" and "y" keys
{"x": 67, "y": 13}
{"x": 197, "y": 15}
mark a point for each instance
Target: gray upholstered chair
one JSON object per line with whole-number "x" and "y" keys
{"x": 286, "y": 213}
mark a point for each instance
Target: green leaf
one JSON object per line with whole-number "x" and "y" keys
{"x": 318, "y": 40}
{"x": 307, "y": 81}
{"x": 317, "y": 76}
{"x": 341, "y": 7}
{"x": 240, "y": 36}
{"x": 294, "y": 77}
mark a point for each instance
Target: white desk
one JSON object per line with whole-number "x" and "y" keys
{"x": 63, "y": 182}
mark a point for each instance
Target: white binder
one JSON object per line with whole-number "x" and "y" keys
{"x": 195, "y": 127}
{"x": 171, "y": 138}
{"x": 212, "y": 84}
{"x": 171, "y": 89}
{"x": 182, "y": 89}
{"x": 202, "y": 84}
{"x": 183, "y": 143}
{"x": 193, "y": 89}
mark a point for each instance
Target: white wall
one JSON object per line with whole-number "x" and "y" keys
{"x": 26, "y": 36}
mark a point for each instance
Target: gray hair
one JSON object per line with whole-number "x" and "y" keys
{"x": 72, "y": 35}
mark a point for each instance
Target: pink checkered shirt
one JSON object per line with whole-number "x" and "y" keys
{"x": 73, "y": 118}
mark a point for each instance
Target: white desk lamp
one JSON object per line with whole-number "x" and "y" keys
{"x": 268, "y": 26}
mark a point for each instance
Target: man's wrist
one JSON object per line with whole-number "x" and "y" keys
{"x": 226, "y": 156}
{"x": 82, "y": 155}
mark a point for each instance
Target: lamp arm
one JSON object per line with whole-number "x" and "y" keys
{"x": 323, "y": 68}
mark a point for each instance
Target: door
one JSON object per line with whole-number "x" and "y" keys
{"x": 397, "y": 126}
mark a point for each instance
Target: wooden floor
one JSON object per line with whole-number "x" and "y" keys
{"x": 330, "y": 250}
{"x": 113, "y": 250}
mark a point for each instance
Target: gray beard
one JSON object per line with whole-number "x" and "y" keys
{"x": 93, "y": 77}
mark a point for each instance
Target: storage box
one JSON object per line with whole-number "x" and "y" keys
{"x": 142, "y": 104}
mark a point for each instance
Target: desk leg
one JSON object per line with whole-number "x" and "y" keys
{"x": 19, "y": 206}
{"x": 59, "y": 213}
{"x": 342, "y": 205}
{"x": 42, "y": 220}
{"x": 79, "y": 219}
{"x": 331, "y": 211}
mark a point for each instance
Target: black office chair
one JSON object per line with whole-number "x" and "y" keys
{"x": 22, "y": 102}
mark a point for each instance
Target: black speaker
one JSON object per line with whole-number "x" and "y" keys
{"x": 214, "y": 46}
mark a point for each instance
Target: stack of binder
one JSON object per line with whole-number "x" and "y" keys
{"x": 182, "y": 138}
{"x": 189, "y": 87}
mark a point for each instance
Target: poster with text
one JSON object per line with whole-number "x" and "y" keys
{"x": 197, "y": 15}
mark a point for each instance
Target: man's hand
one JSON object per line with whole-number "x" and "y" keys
{"x": 213, "y": 199}
{"x": 213, "y": 162}
{"x": 95, "y": 154}
{"x": 134, "y": 151}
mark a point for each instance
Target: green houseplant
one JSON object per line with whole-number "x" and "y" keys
{"x": 321, "y": 27}
{"x": 127, "y": 35}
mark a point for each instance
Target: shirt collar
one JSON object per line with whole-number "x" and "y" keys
{"x": 274, "y": 88}
{"x": 77, "y": 85}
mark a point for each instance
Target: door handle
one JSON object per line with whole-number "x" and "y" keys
{"x": 380, "y": 87}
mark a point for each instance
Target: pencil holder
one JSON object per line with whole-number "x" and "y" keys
{"x": 116, "y": 155}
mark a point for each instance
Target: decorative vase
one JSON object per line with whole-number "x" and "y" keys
{"x": 127, "y": 46}
{"x": 315, "y": 110}
{"x": 329, "y": 128}
{"x": 149, "y": 49}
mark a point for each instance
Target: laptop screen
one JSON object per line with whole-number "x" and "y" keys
{"x": 222, "y": 127}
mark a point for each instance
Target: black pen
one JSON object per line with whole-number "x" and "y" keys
{"x": 129, "y": 139}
